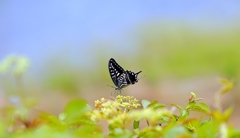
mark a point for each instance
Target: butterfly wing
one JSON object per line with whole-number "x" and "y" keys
{"x": 122, "y": 81}
{"x": 115, "y": 71}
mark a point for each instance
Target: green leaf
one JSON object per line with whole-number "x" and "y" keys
{"x": 136, "y": 124}
{"x": 208, "y": 129}
{"x": 222, "y": 117}
{"x": 77, "y": 106}
{"x": 53, "y": 120}
{"x": 75, "y": 110}
{"x": 145, "y": 103}
{"x": 183, "y": 113}
{"x": 206, "y": 121}
{"x": 200, "y": 107}
{"x": 175, "y": 117}
{"x": 228, "y": 85}
{"x": 178, "y": 106}
{"x": 110, "y": 127}
{"x": 164, "y": 119}
{"x": 234, "y": 133}
{"x": 155, "y": 105}
{"x": 177, "y": 132}
{"x": 227, "y": 113}
{"x": 192, "y": 124}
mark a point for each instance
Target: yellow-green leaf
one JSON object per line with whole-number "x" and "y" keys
{"x": 200, "y": 107}
{"x": 227, "y": 86}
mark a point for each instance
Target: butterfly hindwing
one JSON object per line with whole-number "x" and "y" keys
{"x": 123, "y": 81}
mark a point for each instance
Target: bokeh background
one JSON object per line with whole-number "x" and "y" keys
{"x": 181, "y": 47}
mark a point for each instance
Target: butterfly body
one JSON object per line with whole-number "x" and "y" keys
{"x": 120, "y": 77}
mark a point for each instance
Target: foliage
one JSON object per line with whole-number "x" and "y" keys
{"x": 124, "y": 116}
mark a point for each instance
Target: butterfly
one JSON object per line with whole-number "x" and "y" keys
{"x": 120, "y": 77}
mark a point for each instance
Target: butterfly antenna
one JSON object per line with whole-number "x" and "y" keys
{"x": 138, "y": 72}
{"x": 141, "y": 77}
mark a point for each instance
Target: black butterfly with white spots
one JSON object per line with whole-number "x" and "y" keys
{"x": 120, "y": 77}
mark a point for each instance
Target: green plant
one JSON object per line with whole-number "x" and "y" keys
{"x": 125, "y": 116}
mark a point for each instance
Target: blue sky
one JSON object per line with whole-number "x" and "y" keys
{"x": 39, "y": 28}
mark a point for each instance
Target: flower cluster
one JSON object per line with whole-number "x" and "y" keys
{"x": 127, "y": 102}
{"x": 114, "y": 111}
{"x": 119, "y": 113}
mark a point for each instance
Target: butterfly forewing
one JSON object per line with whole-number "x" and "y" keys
{"x": 115, "y": 71}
